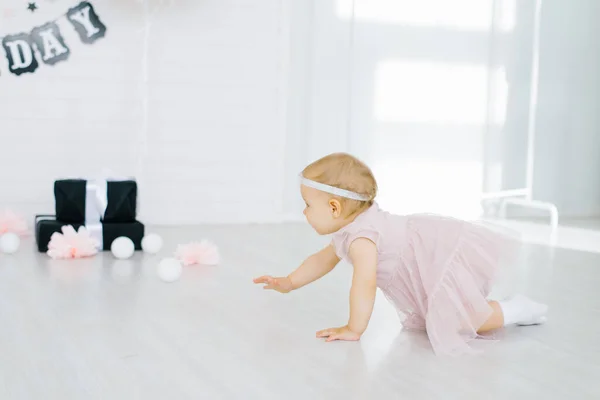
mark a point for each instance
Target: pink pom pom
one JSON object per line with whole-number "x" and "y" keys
{"x": 203, "y": 253}
{"x": 72, "y": 244}
{"x": 10, "y": 222}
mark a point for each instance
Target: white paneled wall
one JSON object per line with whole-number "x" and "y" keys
{"x": 213, "y": 150}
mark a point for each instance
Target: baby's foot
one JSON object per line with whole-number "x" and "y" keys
{"x": 521, "y": 310}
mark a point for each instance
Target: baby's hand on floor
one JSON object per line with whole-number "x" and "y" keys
{"x": 342, "y": 333}
{"x": 282, "y": 284}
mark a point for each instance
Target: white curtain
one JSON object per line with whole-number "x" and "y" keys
{"x": 420, "y": 90}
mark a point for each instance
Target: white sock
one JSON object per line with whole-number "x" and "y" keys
{"x": 521, "y": 310}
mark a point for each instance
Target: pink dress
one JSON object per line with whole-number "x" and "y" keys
{"x": 436, "y": 270}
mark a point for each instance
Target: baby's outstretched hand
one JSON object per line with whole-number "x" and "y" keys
{"x": 342, "y": 333}
{"x": 282, "y": 284}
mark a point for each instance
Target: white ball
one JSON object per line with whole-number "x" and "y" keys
{"x": 9, "y": 243}
{"x": 122, "y": 247}
{"x": 152, "y": 243}
{"x": 169, "y": 269}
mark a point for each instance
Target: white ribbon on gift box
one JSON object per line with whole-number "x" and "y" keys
{"x": 96, "y": 202}
{"x": 95, "y": 230}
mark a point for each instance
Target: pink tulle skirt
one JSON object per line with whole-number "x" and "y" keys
{"x": 446, "y": 272}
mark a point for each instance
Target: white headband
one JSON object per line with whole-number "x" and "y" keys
{"x": 333, "y": 190}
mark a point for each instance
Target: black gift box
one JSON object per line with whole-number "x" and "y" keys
{"x": 70, "y": 200}
{"x": 46, "y": 225}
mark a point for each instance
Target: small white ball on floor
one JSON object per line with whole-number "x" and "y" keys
{"x": 122, "y": 248}
{"x": 9, "y": 243}
{"x": 169, "y": 269}
{"x": 152, "y": 243}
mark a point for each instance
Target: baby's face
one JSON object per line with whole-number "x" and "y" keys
{"x": 321, "y": 211}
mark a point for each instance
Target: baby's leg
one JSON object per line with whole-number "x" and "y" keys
{"x": 518, "y": 310}
{"x": 495, "y": 321}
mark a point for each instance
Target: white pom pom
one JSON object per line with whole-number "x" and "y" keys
{"x": 122, "y": 247}
{"x": 169, "y": 269}
{"x": 9, "y": 243}
{"x": 152, "y": 243}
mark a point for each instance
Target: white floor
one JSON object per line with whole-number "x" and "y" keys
{"x": 107, "y": 329}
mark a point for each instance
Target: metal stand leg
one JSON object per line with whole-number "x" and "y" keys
{"x": 540, "y": 205}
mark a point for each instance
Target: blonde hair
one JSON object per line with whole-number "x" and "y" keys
{"x": 345, "y": 171}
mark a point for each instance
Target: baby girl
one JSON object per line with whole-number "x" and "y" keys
{"x": 435, "y": 270}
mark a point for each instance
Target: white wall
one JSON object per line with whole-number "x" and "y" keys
{"x": 319, "y": 84}
{"x": 214, "y": 147}
{"x": 242, "y": 94}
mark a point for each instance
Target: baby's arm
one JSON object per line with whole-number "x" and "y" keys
{"x": 314, "y": 267}
{"x": 363, "y": 254}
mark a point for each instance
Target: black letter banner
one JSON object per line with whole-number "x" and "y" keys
{"x": 46, "y": 44}
{"x": 50, "y": 43}
{"x": 19, "y": 51}
{"x": 86, "y": 22}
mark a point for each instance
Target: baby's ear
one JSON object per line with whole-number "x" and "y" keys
{"x": 335, "y": 207}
